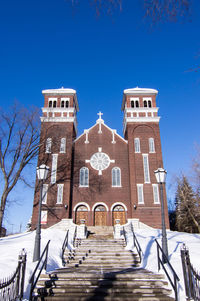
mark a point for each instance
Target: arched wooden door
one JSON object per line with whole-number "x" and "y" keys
{"x": 100, "y": 216}
{"x": 81, "y": 215}
{"x": 119, "y": 215}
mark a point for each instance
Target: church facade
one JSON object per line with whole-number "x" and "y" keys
{"x": 100, "y": 178}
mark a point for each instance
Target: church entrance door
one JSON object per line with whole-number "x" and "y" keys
{"x": 100, "y": 216}
{"x": 81, "y": 215}
{"x": 119, "y": 215}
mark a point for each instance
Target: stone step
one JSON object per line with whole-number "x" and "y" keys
{"x": 65, "y": 273}
{"x": 76, "y": 284}
{"x": 106, "y": 290}
{"x": 99, "y": 254}
{"x": 135, "y": 297}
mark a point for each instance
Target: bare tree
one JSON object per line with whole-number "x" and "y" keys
{"x": 19, "y": 143}
{"x": 157, "y": 10}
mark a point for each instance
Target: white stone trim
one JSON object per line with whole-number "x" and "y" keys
{"x": 86, "y": 132}
{"x": 113, "y": 136}
{"x": 118, "y": 203}
{"x": 107, "y": 128}
{"x": 81, "y": 204}
{"x": 99, "y": 203}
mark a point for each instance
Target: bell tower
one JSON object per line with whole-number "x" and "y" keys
{"x": 141, "y": 130}
{"x": 58, "y": 131}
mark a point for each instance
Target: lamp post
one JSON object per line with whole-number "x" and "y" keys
{"x": 160, "y": 174}
{"x": 42, "y": 172}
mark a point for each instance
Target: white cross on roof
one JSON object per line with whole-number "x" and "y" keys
{"x": 100, "y": 114}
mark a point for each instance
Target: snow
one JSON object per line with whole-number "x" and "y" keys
{"x": 11, "y": 246}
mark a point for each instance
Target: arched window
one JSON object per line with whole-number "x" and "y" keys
{"x": 149, "y": 103}
{"x": 54, "y": 103}
{"x": 132, "y": 103}
{"x": 62, "y": 104}
{"x": 50, "y": 104}
{"x": 84, "y": 177}
{"x": 137, "y": 145}
{"x": 145, "y": 103}
{"x": 63, "y": 145}
{"x": 137, "y": 104}
{"x": 151, "y": 145}
{"x": 67, "y": 104}
{"x": 48, "y": 145}
{"x": 116, "y": 177}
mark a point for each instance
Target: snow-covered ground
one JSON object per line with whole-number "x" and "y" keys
{"x": 11, "y": 246}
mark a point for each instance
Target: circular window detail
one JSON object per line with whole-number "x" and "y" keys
{"x": 100, "y": 161}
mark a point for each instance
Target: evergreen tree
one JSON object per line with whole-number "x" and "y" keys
{"x": 187, "y": 208}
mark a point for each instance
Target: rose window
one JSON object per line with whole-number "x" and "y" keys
{"x": 100, "y": 161}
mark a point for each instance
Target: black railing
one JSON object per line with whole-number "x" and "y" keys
{"x": 162, "y": 260}
{"x": 136, "y": 244}
{"x": 38, "y": 269}
{"x": 65, "y": 243}
{"x": 191, "y": 276}
{"x": 13, "y": 288}
{"x": 135, "y": 241}
{"x": 74, "y": 238}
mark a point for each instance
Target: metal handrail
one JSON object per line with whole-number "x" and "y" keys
{"x": 164, "y": 260}
{"x": 136, "y": 244}
{"x": 44, "y": 265}
{"x": 13, "y": 288}
{"x": 65, "y": 243}
{"x": 74, "y": 238}
{"x": 191, "y": 276}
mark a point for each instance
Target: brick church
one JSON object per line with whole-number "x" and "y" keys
{"x": 99, "y": 177}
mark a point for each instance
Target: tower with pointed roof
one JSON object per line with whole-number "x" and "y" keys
{"x": 100, "y": 178}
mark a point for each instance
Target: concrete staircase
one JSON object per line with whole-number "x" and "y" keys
{"x": 101, "y": 269}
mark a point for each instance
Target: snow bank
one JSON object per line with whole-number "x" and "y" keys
{"x": 11, "y": 246}
{"x": 146, "y": 240}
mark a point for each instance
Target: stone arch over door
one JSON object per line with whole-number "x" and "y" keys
{"x": 119, "y": 214}
{"x": 81, "y": 214}
{"x": 100, "y": 215}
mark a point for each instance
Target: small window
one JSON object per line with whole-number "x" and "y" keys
{"x": 54, "y": 168}
{"x": 149, "y": 103}
{"x": 156, "y": 194}
{"x": 84, "y": 177}
{"x": 63, "y": 145}
{"x": 145, "y": 104}
{"x": 151, "y": 145}
{"x": 146, "y": 168}
{"x": 116, "y": 177}
{"x": 48, "y": 145}
{"x": 137, "y": 104}
{"x": 60, "y": 194}
{"x": 50, "y": 104}
{"x": 140, "y": 193}
{"x": 54, "y": 103}
{"x": 64, "y": 102}
{"x": 132, "y": 103}
{"x": 137, "y": 145}
{"x": 44, "y": 193}
{"x": 43, "y": 217}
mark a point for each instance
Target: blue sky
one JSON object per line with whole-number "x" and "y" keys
{"x": 49, "y": 44}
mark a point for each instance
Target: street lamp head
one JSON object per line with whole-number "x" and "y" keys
{"x": 160, "y": 174}
{"x": 42, "y": 172}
